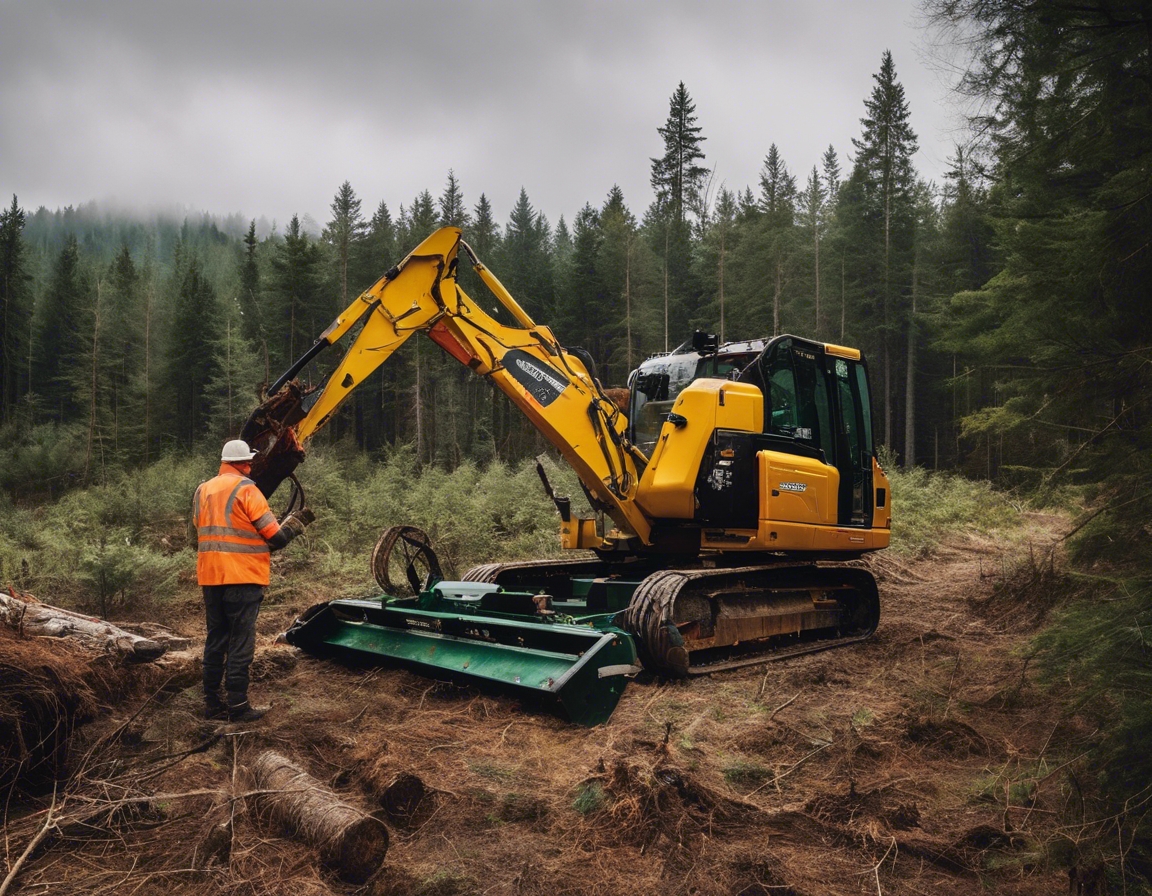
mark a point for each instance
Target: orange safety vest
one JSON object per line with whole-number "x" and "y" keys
{"x": 233, "y": 525}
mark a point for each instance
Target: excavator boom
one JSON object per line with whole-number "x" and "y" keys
{"x": 550, "y": 385}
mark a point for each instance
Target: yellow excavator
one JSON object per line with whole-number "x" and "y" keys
{"x": 727, "y": 492}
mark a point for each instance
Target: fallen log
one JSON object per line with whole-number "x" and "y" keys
{"x": 349, "y": 840}
{"x": 34, "y": 618}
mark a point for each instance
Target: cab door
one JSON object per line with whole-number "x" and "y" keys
{"x": 854, "y": 447}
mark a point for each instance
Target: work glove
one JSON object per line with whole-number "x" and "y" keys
{"x": 294, "y": 524}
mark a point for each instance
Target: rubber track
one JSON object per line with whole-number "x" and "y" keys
{"x": 661, "y": 648}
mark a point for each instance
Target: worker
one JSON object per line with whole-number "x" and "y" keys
{"x": 236, "y": 533}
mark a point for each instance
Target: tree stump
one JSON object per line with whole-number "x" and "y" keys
{"x": 402, "y": 798}
{"x": 349, "y": 840}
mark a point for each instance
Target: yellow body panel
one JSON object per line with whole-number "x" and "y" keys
{"x": 667, "y": 488}
{"x": 842, "y": 351}
{"x": 797, "y": 489}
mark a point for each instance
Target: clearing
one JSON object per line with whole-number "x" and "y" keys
{"x": 921, "y": 761}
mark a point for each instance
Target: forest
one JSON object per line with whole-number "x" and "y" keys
{"x": 126, "y": 337}
{"x": 1004, "y": 314}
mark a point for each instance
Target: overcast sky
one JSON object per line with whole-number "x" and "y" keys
{"x": 265, "y": 108}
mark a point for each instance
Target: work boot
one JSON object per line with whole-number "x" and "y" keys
{"x": 245, "y": 712}
{"x": 214, "y": 707}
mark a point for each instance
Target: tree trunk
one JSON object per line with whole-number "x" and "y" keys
{"x": 93, "y": 383}
{"x": 816, "y": 250}
{"x": 910, "y": 381}
{"x": 348, "y": 839}
{"x": 628, "y": 300}
{"x": 665, "y": 287}
{"x": 52, "y": 622}
{"x": 721, "y": 286}
{"x": 776, "y": 303}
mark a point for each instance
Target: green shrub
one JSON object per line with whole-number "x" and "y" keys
{"x": 44, "y": 460}
{"x": 929, "y": 507}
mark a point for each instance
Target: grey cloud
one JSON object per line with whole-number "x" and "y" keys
{"x": 265, "y": 107}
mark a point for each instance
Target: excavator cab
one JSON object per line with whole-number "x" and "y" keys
{"x": 817, "y": 404}
{"x": 656, "y": 383}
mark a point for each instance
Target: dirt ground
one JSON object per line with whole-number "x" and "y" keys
{"x": 925, "y": 760}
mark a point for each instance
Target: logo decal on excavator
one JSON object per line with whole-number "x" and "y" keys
{"x": 793, "y": 487}
{"x": 543, "y": 382}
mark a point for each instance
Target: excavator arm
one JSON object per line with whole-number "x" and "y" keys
{"x": 551, "y": 386}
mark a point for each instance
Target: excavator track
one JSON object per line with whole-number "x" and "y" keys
{"x": 699, "y": 621}
{"x": 705, "y": 620}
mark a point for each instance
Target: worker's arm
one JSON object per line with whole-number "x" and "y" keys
{"x": 278, "y": 535}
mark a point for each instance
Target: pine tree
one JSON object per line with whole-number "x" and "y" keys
{"x": 59, "y": 327}
{"x": 778, "y": 216}
{"x": 253, "y": 324}
{"x": 678, "y": 175}
{"x": 344, "y": 234}
{"x": 622, "y": 267}
{"x": 884, "y": 184}
{"x": 812, "y": 202}
{"x": 715, "y": 252}
{"x": 380, "y": 244}
{"x": 191, "y": 355}
{"x": 14, "y": 305}
{"x": 830, "y": 164}
{"x": 122, "y": 353}
{"x": 296, "y": 287}
{"x": 233, "y": 386}
{"x": 453, "y": 211}
{"x": 525, "y": 267}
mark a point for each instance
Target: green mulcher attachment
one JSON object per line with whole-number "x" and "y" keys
{"x": 577, "y": 666}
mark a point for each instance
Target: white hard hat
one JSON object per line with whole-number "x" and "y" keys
{"x": 236, "y": 451}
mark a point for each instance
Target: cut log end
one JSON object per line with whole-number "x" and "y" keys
{"x": 352, "y": 842}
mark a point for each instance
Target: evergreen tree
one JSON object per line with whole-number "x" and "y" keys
{"x": 525, "y": 265}
{"x": 344, "y": 235}
{"x": 380, "y": 244}
{"x": 811, "y": 205}
{"x": 453, "y": 211}
{"x": 677, "y": 177}
{"x": 123, "y": 350}
{"x": 418, "y": 222}
{"x": 716, "y": 251}
{"x": 302, "y": 311}
{"x": 483, "y": 231}
{"x": 833, "y": 243}
{"x": 191, "y": 354}
{"x": 253, "y": 324}
{"x": 777, "y": 235}
{"x": 233, "y": 385}
{"x": 59, "y": 328}
{"x": 623, "y": 268}
{"x": 586, "y": 310}
{"x": 882, "y": 190}
{"x": 14, "y": 305}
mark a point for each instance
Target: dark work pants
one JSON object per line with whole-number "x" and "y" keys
{"x": 230, "y": 612}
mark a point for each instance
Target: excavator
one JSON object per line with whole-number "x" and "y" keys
{"x": 727, "y": 495}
